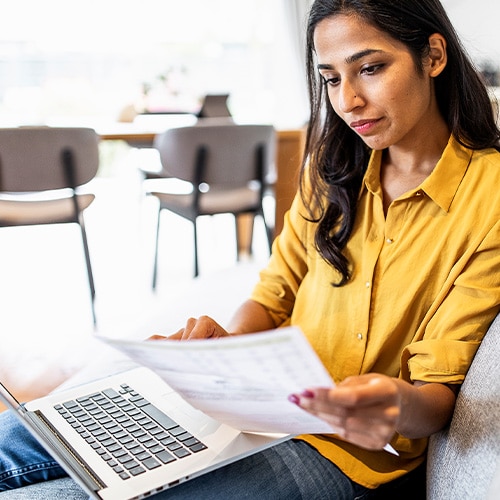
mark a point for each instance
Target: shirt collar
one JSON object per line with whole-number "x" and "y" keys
{"x": 441, "y": 185}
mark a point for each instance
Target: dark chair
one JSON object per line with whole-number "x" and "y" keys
{"x": 40, "y": 171}
{"x": 225, "y": 165}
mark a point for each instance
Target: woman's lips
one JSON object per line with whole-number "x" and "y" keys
{"x": 364, "y": 126}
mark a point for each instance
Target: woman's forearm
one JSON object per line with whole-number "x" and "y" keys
{"x": 250, "y": 317}
{"x": 425, "y": 409}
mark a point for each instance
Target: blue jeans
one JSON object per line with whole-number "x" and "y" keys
{"x": 22, "y": 460}
{"x": 290, "y": 470}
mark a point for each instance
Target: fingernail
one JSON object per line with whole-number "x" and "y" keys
{"x": 294, "y": 399}
{"x": 307, "y": 394}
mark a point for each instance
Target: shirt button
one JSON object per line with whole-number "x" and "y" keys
{"x": 367, "y": 284}
{"x": 360, "y": 336}
{"x": 389, "y": 240}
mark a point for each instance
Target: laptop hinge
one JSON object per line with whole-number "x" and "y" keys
{"x": 64, "y": 453}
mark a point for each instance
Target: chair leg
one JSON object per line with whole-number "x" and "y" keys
{"x": 196, "y": 266}
{"x": 244, "y": 234}
{"x": 89, "y": 267}
{"x": 269, "y": 230}
{"x": 155, "y": 265}
{"x": 269, "y": 234}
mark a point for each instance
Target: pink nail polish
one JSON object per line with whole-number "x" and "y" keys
{"x": 294, "y": 399}
{"x": 307, "y": 394}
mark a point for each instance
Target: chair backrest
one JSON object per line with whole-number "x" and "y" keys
{"x": 33, "y": 158}
{"x": 462, "y": 459}
{"x": 230, "y": 152}
{"x": 214, "y": 106}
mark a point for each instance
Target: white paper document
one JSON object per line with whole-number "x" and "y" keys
{"x": 243, "y": 380}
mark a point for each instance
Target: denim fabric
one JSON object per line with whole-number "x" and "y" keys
{"x": 22, "y": 460}
{"x": 290, "y": 470}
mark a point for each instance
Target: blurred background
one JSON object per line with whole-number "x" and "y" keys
{"x": 97, "y": 59}
{"x": 100, "y": 60}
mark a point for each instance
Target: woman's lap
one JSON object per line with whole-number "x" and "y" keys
{"x": 290, "y": 470}
{"x": 22, "y": 460}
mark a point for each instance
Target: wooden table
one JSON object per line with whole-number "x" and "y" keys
{"x": 133, "y": 138}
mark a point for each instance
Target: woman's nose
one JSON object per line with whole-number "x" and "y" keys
{"x": 348, "y": 97}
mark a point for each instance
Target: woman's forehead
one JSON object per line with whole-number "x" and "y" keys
{"x": 344, "y": 37}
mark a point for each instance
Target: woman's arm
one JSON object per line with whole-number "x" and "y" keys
{"x": 368, "y": 409}
{"x": 425, "y": 408}
{"x": 251, "y": 317}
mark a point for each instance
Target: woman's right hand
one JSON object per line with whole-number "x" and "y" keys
{"x": 249, "y": 318}
{"x": 202, "y": 328}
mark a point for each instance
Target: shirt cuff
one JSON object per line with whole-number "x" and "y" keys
{"x": 440, "y": 361}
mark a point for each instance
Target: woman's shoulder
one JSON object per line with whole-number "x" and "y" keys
{"x": 479, "y": 158}
{"x": 485, "y": 167}
{"x": 487, "y": 155}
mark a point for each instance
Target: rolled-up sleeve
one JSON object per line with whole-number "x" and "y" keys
{"x": 459, "y": 318}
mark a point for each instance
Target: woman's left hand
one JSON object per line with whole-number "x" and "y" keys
{"x": 363, "y": 410}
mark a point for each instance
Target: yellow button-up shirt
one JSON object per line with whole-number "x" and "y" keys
{"x": 425, "y": 286}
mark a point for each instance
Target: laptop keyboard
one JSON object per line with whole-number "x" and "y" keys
{"x": 127, "y": 431}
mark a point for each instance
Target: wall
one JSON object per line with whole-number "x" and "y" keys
{"x": 477, "y": 22}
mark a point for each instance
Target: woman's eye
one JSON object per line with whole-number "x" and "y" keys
{"x": 331, "y": 80}
{"x": 370, "y": 70}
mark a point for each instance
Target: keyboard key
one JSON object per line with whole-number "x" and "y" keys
{"x": 184, "y": 436}
{"x": 124, "y": 458}
{"x": 156, "y": 449}
{"x": 174, "y": 446}
{"x": 165, "y": 457}
{"x": 197, "y": 447}
{"x": 136, "y": 450}
{"x": 157, "y": 415}
{"x": 111, "y": 393}
{"x": 137, "y": 470}
{"x": 131, "y": 464}
{"x": 119, "y": 453}
{"x": 144, "y": 455}
{"x": 113, "y": 447}
{"x": 181, "y": 453}
{"x": 177, "y": 431}
{"x": 150, "y": 443}
{"x": 151, "y": 463}
{"x": 167, "y": 440}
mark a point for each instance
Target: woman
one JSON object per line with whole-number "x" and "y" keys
{"x": 389, "y": 259}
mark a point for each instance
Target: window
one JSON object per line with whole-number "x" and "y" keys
{"x": 62, "y": 61}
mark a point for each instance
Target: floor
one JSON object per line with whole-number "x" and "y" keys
{"x": 45, "y": 312}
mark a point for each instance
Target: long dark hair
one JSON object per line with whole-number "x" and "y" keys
{"x": 337, "y": 157}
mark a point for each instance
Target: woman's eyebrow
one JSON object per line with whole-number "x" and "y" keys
{"x": 353, "y": 58}
{"x": 359, "y": 55}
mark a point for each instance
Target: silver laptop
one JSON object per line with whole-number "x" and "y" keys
{"x": 130, "y": 435}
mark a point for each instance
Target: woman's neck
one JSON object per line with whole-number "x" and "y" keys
{"x": 421, "y": 156}
{"x": 405, "y": 169}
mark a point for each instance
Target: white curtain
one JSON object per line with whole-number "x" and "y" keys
{"x": 291, "y": 85}
{"x": 296, "y": 12}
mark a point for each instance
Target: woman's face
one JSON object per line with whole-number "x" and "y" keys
{"x": 373, "y": 83}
